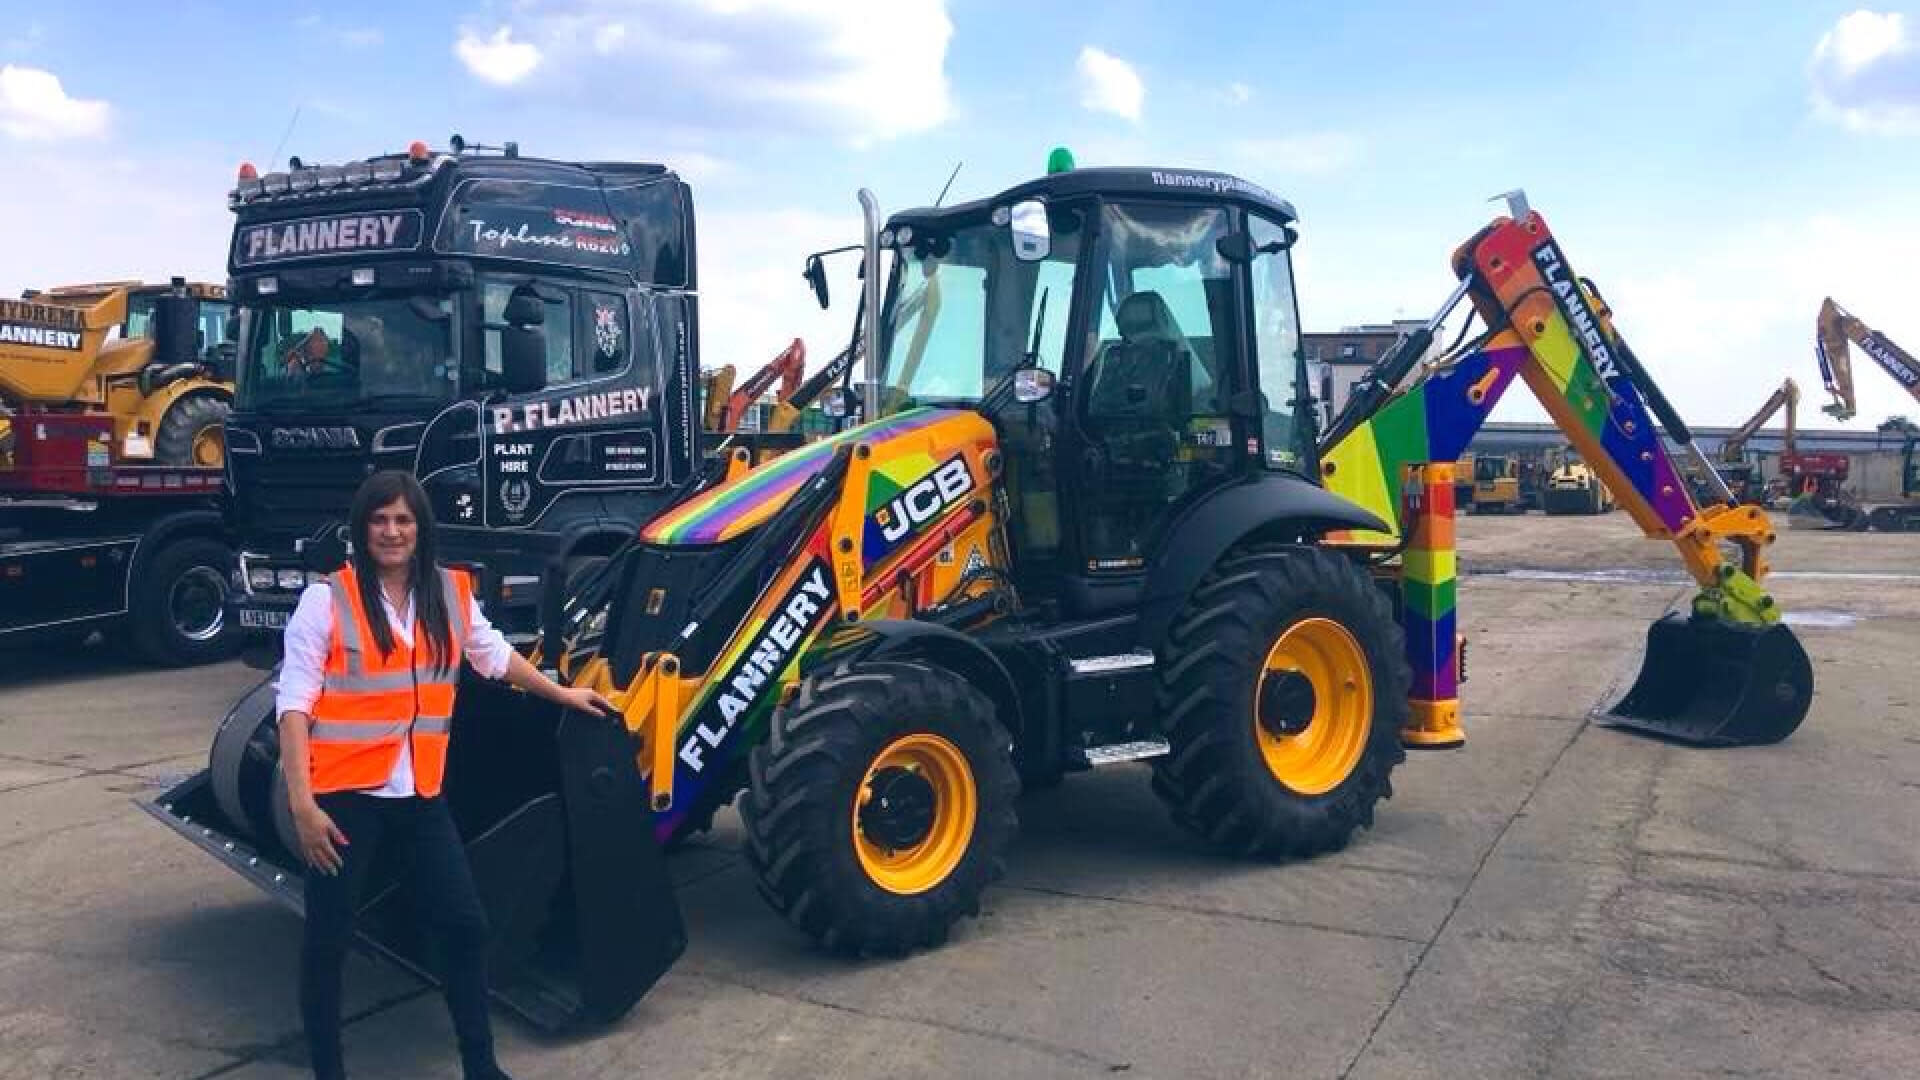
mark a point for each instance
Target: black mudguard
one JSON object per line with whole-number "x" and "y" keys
{"x": 895, "y": 639}
{"x": 1279, "y": 506}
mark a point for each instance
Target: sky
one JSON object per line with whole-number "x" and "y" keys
{"x": 1716, "y": 167}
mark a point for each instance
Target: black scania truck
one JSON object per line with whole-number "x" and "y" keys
{"x": 520, "y": 333}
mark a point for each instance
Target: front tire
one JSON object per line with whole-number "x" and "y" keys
{"x": 1284, "y": 684}
{"x": 190, "y": 432}
{"x": 881, "y": 806}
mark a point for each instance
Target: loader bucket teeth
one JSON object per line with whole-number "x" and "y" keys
{"x": 1715, "y": 684}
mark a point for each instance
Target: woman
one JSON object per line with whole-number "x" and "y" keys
{"x": 365, "y": 700}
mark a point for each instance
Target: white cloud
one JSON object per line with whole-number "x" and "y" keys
{"x": 1238, "y": 93}
{"x": 1723, "y": 319}
{"x": 1866, "y": 74}
{"x": 1109, "y": 84}
{"x": 752, "y": 303}
{"x": 34, "y": 106}
{"x": 497, "y": 59}
{"x": 699, "y": 167}
{"x": 170, "y": 216}
{"x": 858, "y": 69}
{"x": 1313, "y": 154}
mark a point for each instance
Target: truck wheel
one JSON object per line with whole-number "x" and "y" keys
{"x": 1284, "y": 685}
{"x": 178, "y": 615}
{"x": 190, "y": 432}
{"x": 881, "y": 806}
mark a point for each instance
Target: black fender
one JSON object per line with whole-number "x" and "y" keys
{"x": 1276, "y": 506}
{"x": 909, "y": 639}
{"x": 205, "y": 521}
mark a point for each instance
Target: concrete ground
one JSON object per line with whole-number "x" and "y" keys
{"x": 1558, "y": 899}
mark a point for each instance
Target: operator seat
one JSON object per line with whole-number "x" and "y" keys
{"x": 1148, "y": 372}
{"x": 1137, "y": 409}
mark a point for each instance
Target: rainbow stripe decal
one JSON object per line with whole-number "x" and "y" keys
{"x": 728, "y": 510}
{"x": 1580, "y": 373}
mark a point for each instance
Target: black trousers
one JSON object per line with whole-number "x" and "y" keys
{"x": 446, "y": 902}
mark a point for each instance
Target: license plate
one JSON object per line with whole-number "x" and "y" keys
{"x": 263, "y": 619}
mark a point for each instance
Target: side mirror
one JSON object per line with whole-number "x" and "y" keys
{"x": 837, "y": 404}
{"x": 816, "y": 275}
{"x": 1032, "y": 385}
{"x": 523, "y": 358}
{"x": 525, "y": 308}
{"x": 1235, "y": 247}
{"x": 1028, "y": 224}
{"x": 1238, "y": 247}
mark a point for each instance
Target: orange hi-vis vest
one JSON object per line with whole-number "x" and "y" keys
{"x": 370, "y": 702}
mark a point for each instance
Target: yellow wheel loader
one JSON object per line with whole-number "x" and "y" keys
{"x": 1088, "y": 520}
{"x": 157, "y": 359}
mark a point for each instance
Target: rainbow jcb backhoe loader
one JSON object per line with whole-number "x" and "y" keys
{"x": 1086, "y": 521}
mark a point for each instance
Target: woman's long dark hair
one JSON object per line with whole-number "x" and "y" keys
{"x": 429, "y": 600}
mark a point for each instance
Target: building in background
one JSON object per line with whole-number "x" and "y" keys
{"x": 1337, "y": 360}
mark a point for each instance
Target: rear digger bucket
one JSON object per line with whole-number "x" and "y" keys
{"x": 557, "y": 828}
{"x": 1718, "y": 684}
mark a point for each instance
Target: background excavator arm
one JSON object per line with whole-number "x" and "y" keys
{"x": 1786, "y": 397}
{"x": 1836, "y": 328}
{"x": 787, "y": 367}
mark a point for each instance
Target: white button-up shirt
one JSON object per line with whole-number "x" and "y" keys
{"x": 310, "y": 631}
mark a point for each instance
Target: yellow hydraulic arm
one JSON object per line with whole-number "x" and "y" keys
{"x": 1836, "y": 328}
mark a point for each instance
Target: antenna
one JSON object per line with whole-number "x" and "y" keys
{"x": 285, "y": 135}
{"x": 949, "y": 187}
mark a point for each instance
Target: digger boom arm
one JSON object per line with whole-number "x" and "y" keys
{"x": 1787, "y": 397}
{"x": 1554, "y": 332}
{"x": 1835, "y": 329}
{"x": 787, "y": 367}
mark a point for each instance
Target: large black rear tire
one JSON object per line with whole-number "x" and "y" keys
{"x": 1299, "y": 777}
{"x": 881, "y": 806}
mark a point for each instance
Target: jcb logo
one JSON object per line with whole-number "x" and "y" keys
{"x": 925, "y": 500}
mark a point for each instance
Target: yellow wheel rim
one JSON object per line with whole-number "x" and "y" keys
{"x": 208, "y": 448}
{"x": 913, "y": 813}
{"x": 1315, "y": 759}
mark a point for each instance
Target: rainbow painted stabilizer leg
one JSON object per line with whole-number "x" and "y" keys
{"x": 1427, "y": 591}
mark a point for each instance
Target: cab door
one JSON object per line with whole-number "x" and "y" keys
{"x": 1165, "y": 358}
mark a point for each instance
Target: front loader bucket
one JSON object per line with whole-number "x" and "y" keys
{"x": 1718, "y": 684}
{"x": 558, "y": 831}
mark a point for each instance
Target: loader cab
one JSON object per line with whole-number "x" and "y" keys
{"x": 1160, "y": 307}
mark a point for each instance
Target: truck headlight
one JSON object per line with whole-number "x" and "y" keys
{"x": 259, "y": 577}
{"x": 291, "y": 578}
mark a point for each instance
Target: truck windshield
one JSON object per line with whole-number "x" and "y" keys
{"x": 346, "y": 353}
{"x": 962, "y": 311}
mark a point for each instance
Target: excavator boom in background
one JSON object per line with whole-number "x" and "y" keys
{"x": 1742, "y": 476}
{"x": 1819, "y": 479}
{"x": 1837, "y": 327}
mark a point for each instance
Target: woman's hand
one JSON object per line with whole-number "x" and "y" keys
{"x": 320, "y": 839}
{"x": 587, "y": 701}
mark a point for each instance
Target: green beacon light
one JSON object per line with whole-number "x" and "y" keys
{"x": 1061, "y": 160}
